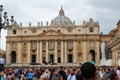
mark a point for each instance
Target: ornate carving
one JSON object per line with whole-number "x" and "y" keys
{"x": 69, "y": 28}
{"x": 79, "y": 46}
{"x": 33, "y": 29}
{"x": 24, "y": 49}
{"x": 79, "y": 54}
{"x": 24, "y": 54}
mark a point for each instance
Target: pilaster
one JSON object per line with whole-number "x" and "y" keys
{"x": 46, "y": 51}
{"x": 65, "y": 51}
{"x": 55, "y": 51}
{"x": 38, "y": 61}
{"x": 62, "y": 51}
{"x": 41, "y": 52}
{"x": 29, "y": 58}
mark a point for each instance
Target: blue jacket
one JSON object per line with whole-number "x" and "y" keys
{"x": 30, "y": 75}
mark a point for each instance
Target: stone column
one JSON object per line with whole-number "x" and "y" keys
{"x": 74, "y": 51}
{"x": 84, "y": 51}
{"x": 19, "y": 53}
{"x": 62, "y": 51}
{"x": 46, "y": 51}
{"x": 41, "y": 52}
{"x": 55, "y": 51}
{"x": 65, "y": 51}
{"x": 97, "y": 52}
{"x": 8, "y": 52}
{"x": 116, "y": 59}
{"x": 38, "y": 61}
{"x": 113, "y": 57}
{"x": 29, "y": 58}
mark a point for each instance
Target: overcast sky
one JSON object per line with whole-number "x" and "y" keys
{"x": 106, "y": 12}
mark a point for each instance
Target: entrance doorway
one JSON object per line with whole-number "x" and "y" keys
{"x": 51, "y": 58}
{"x": 59, "y": 60}
{"x": 92, "y": 52}
{"x": 33, "y": 58}
{"x": 13, "y": 57}
{"x": 70, "y": 58}
{"x": 43, "y": 60}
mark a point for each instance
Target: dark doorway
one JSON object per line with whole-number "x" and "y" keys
{"x": 33, "y": 58}
{"x": 92, "y": 52}
{"x": 51, "y": 58}
{"x": 59, "y": 60}
{"x": 13, "y": 57}
{"x": 70, "y": 58}
{"x": 44, "y": 60}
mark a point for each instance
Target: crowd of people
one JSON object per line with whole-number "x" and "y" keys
{"x": 86, "y": 71}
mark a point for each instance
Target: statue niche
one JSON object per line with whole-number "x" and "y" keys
{"x": 24, "y": 55}
{"x": 80, "y": 57}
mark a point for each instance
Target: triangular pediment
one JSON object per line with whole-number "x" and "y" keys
{"x": 51, "y": 32}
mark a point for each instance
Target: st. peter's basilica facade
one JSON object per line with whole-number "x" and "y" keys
{"x": 61, "y": 41}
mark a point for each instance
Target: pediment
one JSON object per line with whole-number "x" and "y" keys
{"x": 51, "y": 32}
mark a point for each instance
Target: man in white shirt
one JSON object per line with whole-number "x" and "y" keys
{"x": 72, "y": 75}
{"x": 2, "y": 62}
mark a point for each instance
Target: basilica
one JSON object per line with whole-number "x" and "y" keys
{"x": 61, "y": 41}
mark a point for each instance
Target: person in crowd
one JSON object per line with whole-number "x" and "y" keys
{"x": 30, "y": 75}
{"x": 101, "y": 73}
{"x": 47, "y": 74}
{"x": 2, "y": 62}
{"x": 1, "y": 75}
{"x": 71, "y": 75}
{"x": 88, "y": 71}
{"x": 114, "y": 76}
{"x": 118, "y": 72}
{"x": 56, "y": 76}
{"x": 78, "y": 74}
{"x": 42, "y": 77}
{"x": 107, "y": 73}
{"x": 62, "y": 73}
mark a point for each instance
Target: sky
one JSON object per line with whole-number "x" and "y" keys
{"x": 106, "y": 12}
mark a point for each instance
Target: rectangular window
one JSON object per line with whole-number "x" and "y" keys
{"x": 79, "y": 30}
{"x": 34, "y": 45}
{"x": 58, "y": 44}
{"x": 92, "y": 44}
{"x": 44, "y": 45}
{"x": 13, "y": 45}
{"x": 51, "y": 44}
{"x": 14, "y": 31}
{"x": 91, "y": 29}
{"x": 70, "y": 44}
